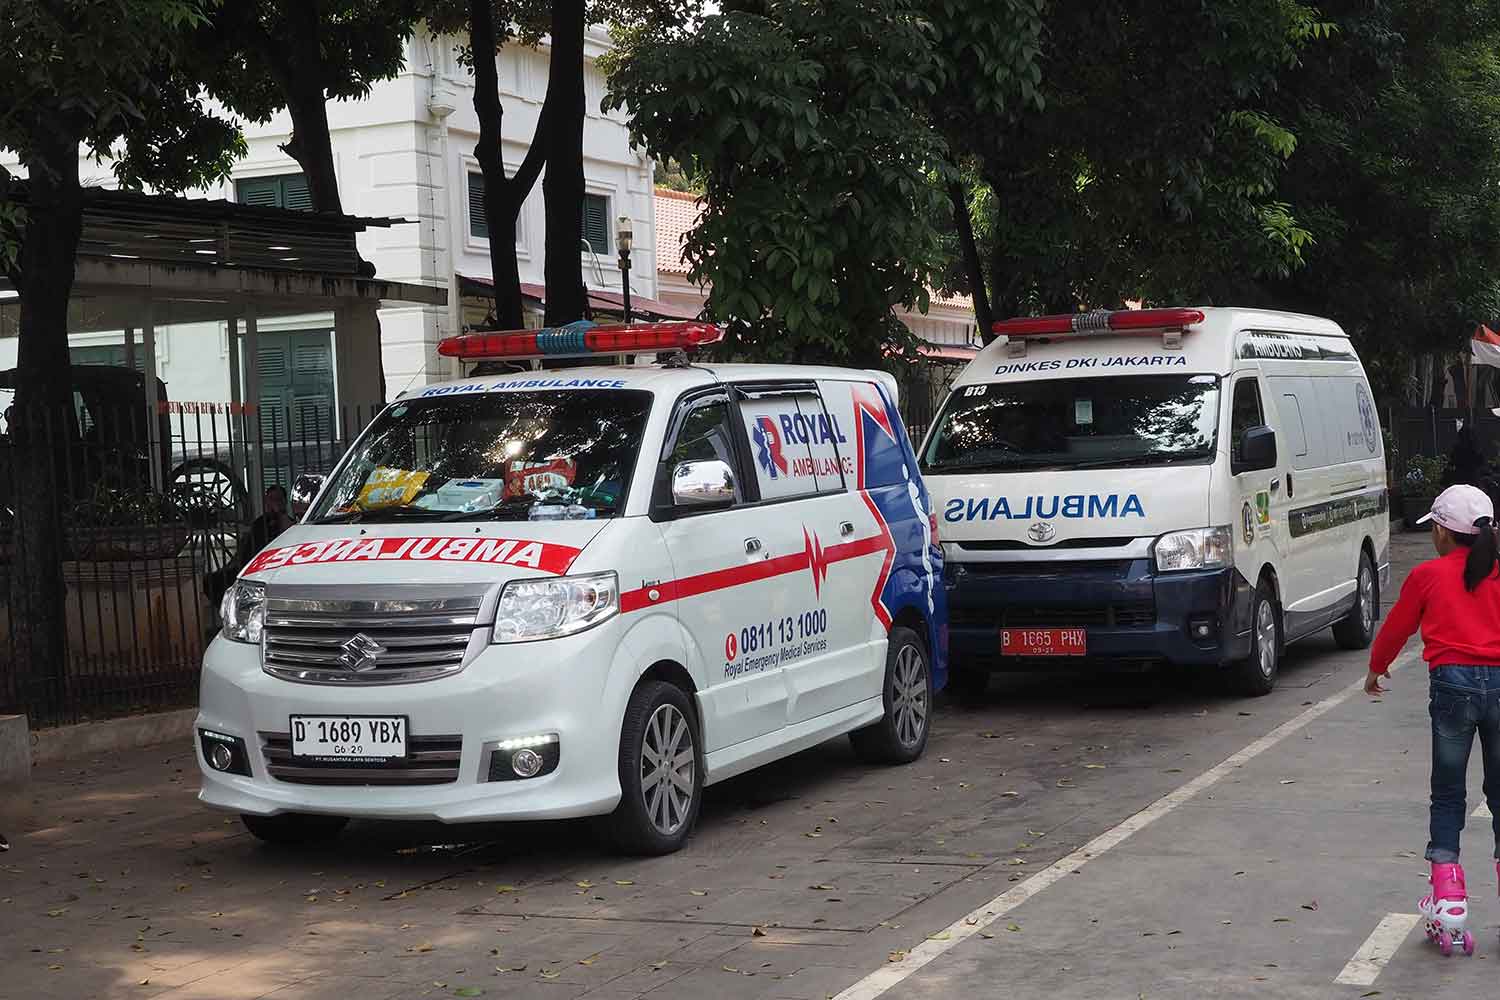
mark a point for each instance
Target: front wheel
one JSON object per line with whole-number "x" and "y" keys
{"x": 901, "y": 734}
{"x": 1256, "y": 675}
{"x": 1358, "y": 630}
{"x": 661, "y": 773}
{"x": 294, "y": 828}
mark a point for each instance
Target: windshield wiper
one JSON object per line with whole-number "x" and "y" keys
{"x": 1128, "y": 461}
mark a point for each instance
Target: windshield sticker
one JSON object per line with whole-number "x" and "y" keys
{"x": 1075, "y": 505}
{"x": 1293, "y": 347}
{"x": 522, "y": 478}
{"x": 389, "y": 487}
{"x": 544, "y": 556}
{"x": 530, "y": 383}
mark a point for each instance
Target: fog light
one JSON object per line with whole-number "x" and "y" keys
{"x": 220, "y": 757}
{"x": 526, "y": 763}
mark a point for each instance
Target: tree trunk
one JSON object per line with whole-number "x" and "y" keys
{"x": 312, "y": 147}
{"x": 567, "y": 299}
{"x": 984, "y": 317}
{"x": 44, "y": 411}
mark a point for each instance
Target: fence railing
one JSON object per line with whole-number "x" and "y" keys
{"x": 151, "y": 519}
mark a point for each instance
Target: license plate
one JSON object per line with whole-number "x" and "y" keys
{"x": 1043, "y": 642}
{"x": 348, "y": 737}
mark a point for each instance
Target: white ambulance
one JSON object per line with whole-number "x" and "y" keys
{"x": 582, "y": 592}
{"x": 1184, "y": 486}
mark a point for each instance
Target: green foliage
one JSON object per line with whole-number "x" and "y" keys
{"x": 1398, "y": 118}
{"x": 102, "y": 72}
{"x": 806, "y": 124}
{"x": 1148, "y": 166}
{"x": 1424, "y": 475}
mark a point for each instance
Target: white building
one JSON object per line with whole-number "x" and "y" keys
{"x": 406, "y": 151}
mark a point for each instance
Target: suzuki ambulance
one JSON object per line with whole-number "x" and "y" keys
{"x": 1184, "y": 486}
{"x": 586, "y": 592}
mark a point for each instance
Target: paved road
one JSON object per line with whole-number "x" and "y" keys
{"x": 1263, "y": 842}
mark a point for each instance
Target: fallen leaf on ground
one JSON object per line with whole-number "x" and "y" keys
{"x": 896, "y": 955}
{"x": 820, "y": 887}
{"x": 585, "y": 884}
{"x": 1288, "y": 781}
{"x": 1012, "y": 927}
{"x": 505, "y": 888}
{"x": 424, "y": 946}
{"x": 590, "y": 960}
{"x": 144, "y": 982}
{"x": 623, "y": 881}
{"x": 1310, "y": 906}
{"x": 758, "y": 932}
{"x": 468, "y": 991}
{"x": 699, "y": 892}
{"x": 1094, "y": 767}
{"x": 939, "y": 936}
{"x": 549, "y": 974}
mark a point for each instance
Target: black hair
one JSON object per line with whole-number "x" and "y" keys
{"x": 278, "y": 488}
{"x": 1484, "y": 552}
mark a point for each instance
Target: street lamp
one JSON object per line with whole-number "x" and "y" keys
{"x": 623, "y": 236}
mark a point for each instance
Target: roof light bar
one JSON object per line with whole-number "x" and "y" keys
{"x": 580, "y": 340}
{"x": 1101, "y": 322}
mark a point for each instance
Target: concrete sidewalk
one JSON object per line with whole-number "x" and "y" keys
{"x": 801, "y": 880}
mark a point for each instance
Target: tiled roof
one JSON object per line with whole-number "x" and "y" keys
{"x": 676, "y": 212}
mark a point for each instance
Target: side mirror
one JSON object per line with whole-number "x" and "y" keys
{"x": 703, "y": 485}
{"x": 305, "y": 489}
{"x": 1257, "y": 451}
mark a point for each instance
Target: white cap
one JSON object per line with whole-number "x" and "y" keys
{"x": 1458, "y": 507}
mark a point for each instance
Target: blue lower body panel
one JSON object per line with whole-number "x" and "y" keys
{"x": 1132, "y": 614}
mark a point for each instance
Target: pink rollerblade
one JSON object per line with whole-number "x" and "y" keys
{"x": 1446, "y": 909}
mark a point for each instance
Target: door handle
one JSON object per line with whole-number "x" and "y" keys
{"x": 1276, "y": 486}
{"x": 752, "y": 546}
{"x": 846, "y": 528}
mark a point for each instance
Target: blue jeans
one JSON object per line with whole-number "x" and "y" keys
{"x": 1465, "y": 701}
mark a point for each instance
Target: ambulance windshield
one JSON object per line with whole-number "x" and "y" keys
{"x": 1084, "y": 423}
{"x": 502, "y": 456}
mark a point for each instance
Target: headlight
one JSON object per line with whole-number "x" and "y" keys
{"x": 244, "y": 611}
{"x": 1200, "y": 548}
{"x": 547, "y": 608}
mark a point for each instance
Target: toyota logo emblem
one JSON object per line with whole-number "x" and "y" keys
{"x": 360, "y": 653}
{"x": 1041, "y": 532}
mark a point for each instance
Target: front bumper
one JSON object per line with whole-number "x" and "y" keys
{"x": 506, "y": 693}
{"x": 1131, "y": 613}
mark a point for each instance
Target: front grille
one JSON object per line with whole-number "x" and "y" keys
{"x": 1131, "y": 614}
{"x": 429, "y": 760}
{"x": 1046, "y": 568}
{"x": 315, "y": 641}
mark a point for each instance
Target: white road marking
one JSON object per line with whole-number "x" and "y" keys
{"x": 892, "y": 973}
{"x": 1483, "y": 812}
{"x": 1366, "y": 965}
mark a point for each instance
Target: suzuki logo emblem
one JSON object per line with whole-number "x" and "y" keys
{"x": 1041, "y": 532}
{"x": 360, "y": 653}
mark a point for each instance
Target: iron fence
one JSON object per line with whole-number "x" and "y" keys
{"x": 152, "y": 520}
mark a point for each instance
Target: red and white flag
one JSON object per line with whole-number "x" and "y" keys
{"x": 1486, "y": 347}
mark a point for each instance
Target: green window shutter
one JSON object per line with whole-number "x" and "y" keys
{"x": 281, "y": 191}
{"x": 478, "y": 225}
{"x": 262, "y": 191}
{"x": 596, "y": 222}
{"x": 294, "y": 193}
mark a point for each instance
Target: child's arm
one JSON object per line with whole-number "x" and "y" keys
{"x": 1400, "y": 623}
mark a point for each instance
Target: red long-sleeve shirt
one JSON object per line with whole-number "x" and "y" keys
{"x": 1459, "y": 628}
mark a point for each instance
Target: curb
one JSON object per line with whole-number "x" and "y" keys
{"x": 133, "y": 732}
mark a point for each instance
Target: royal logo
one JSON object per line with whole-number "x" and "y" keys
{"x": 1367, "y": 421}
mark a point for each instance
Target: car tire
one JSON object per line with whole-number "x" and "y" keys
{"x": 900, "y": 736}
{"x": 1357, "y": 631}
{"x": 294, "y": 828}
{"x": 1256, "y": 674}
{"x": 659, "y": 799}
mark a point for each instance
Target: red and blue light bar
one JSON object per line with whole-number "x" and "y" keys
{"x": 1100, "y": 323}
{"x": 580, "y": 340}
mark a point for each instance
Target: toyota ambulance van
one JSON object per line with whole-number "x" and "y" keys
{"x": 1185, "y": 486}
{"x": 586, "y": 592}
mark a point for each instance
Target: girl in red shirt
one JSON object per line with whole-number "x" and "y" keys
{"x": 1455, "y": 599}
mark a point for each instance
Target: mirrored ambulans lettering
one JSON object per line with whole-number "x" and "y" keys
{"x": 1075, "y": 505}
{"x": 507, "y": 551}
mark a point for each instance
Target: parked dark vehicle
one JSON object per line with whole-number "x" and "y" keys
{"x": 108, "y": 441}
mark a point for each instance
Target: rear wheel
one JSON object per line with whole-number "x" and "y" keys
{"x": 1358, "y": 630}
{"x": 901, "y": 734}
{"x": 295, "y": 828}
{"x": 661, "y": 773}
{"x": 1256, "y": 675}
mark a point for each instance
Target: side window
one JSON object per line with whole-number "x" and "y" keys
{"x": 1245, "y": 412}
{"x": 1296, "y": 428}
{"x": 705, "y": 436}
{"x": 779, "y": 436}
